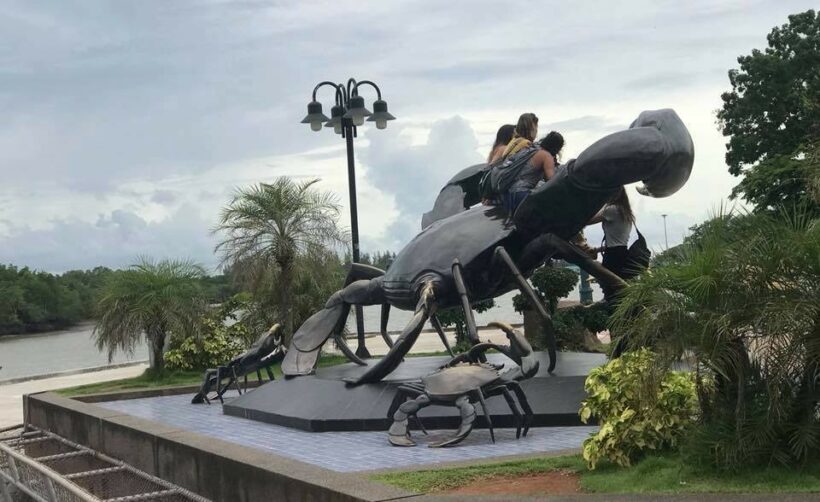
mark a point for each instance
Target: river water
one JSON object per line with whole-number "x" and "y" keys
{"x": 72, "y": 349}
{"x": 53, "y": 351}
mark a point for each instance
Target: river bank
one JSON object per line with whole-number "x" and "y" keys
{"x": 29, "y": 355}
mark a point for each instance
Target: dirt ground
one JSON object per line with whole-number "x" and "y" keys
{"x": 558, "y": 482}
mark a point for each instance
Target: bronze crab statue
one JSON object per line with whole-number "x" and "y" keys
{"x": 466, "y": 254}
{"x": 463, "y": 382}
{"x": 262, "y": 355}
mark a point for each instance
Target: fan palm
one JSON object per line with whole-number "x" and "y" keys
{"x": 269, "y": 227}
{"x": 744, "y": 302}
{"x": 152, "y": 299}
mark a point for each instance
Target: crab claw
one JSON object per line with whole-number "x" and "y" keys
{"x": 463, "y": 432}
{"x": 467, "y": 420}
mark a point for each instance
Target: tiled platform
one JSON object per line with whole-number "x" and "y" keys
{"x": 344, "y": 451}
{"x": 555, "y": 397}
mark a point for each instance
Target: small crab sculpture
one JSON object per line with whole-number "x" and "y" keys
{"x": 463, "y": 382}
{"x": 262, "y": 355}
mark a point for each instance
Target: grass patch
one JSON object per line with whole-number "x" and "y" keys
{"x": 446, "y": 479}
{"x": 654, "y": 474}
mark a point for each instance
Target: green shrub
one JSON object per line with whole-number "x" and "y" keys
{"x": 575, "y": 327}
{"x": 217, "y": 344}
{"x": 636, "y": 409}
{"x": 454, "y": 316}
{"x": 743, "y": 301}
{"x": 550, "y": 283}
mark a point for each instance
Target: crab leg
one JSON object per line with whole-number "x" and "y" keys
{"x": 526, "y": 290}
{"x": 362, "y": 287}
{"x": 518, "y": 418}
{"x": 399, "y": 434}
{"x": 504, "y": 391}
{"x": 467, "y": 420}
{"x": 486, "y": 412}
{"x": 383, "y": 325}
{"x": 525, "y": 405}
{"x": 546, "y": 246}
{"x": 458, "y": 277}
{"x": 424, "y": 309}
{"x": 437, "y": 325}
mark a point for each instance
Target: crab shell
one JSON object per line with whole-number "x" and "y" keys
{"x": 455, "y": 381}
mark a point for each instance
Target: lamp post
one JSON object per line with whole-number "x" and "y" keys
{"x": 346, "y": 115}
{"x": 665, "y": 236}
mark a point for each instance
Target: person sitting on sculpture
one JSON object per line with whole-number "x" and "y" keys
{"x": 541, "y": 165}
{"x": 553, "y": 143}
{"x": 502, "y": 139}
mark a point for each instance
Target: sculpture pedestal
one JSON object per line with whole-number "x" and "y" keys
{"x": 322, "y": 402}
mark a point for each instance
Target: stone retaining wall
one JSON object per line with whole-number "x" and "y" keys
{"x": 215, "y": 469}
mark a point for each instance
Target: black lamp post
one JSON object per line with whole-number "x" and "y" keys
{"x": 347, "y": 114}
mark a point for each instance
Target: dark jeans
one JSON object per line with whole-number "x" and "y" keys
{"x": 615, "y": 260}
{"x": 513, "y": 199}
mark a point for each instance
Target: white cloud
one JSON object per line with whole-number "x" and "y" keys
{"x": 159, "y": 109}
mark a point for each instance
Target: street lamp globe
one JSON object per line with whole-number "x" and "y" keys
{"x": 380, "y": 114}
{"x": 314, "y": 116}
{"x": 336, "y": 114}
{"x": 357, "y": 112}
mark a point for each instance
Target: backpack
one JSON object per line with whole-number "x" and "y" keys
{"x": 500, "y": 176}
{"x": 639, "y": 255}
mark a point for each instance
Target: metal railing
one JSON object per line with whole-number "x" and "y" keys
{"x": 50, "y": 468}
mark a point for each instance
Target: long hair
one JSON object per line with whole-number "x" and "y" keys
{"x": 553, "y": 143}
{"x": 527, "y": 126}
{"x": 502, "y": 137}
{"x": 621, "y": 201}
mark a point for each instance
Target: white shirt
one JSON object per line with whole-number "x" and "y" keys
{"x": 616, "y": 227}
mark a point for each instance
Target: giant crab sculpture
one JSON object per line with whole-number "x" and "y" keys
{"x": 463, "y": 382}
{"x": 466, "y": 254}
{"x": 265, "y": 352}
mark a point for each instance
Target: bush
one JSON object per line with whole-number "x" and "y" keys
{"x": 550, "y": 283}
{"x": 216, "y": 345}
{"x": 575, "y": 327}
{"x": 743, "y": 300}
{"x": 454, "y": 316}
{"x": 637, "y": 409}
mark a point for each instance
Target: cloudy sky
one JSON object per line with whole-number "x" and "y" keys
{"x": 126, "y": 125}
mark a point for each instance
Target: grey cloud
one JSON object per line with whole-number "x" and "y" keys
{"x": 115, "y": 240}
{"x": 587, "y": 123}
{"x": 95, "y": 94}
{"x": 414, "y": 174}
{"x": 164, "y": 197}
{"x": 662, "y": 81}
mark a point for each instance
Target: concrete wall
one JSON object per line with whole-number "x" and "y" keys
{"x": 215, "y": 469}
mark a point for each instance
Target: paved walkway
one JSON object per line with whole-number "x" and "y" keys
{"x": 11, "y": 395}
{"x": 346, "y": 451}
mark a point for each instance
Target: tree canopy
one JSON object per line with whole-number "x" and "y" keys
{"x": 772, "y": 116}
{"x": 151, "y": 299}
{"x": 278, "y": 228}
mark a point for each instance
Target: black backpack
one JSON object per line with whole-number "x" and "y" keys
{"x": 639, "y": 255}
{"x": 500, "y": 176}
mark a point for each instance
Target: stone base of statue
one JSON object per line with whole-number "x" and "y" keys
{"x": 322, "y": 402}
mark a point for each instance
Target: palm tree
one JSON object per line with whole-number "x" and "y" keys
{"x": 742, "y": 302}
{"x": 269, "y": 227}
{"x": 150, "y": 298}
